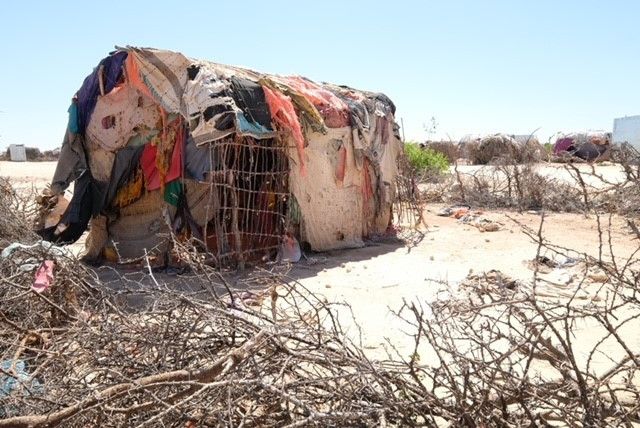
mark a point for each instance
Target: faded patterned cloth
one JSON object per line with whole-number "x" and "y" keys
{"x": 211, "y": 110}
{"x": 88, "y": 93}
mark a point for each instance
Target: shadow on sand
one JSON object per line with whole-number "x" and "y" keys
{"x": 134, "y": 286}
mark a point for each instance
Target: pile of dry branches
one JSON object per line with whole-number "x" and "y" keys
{"x": 132, "y": 353}
{"x": 107, "y": 348}
{"x": 513, "y": 354}
{"x": 16, "y": 213}
{"x": 582, "y": 188}
{"x": 514, "y": 186}
{"x": 502, "y": 149}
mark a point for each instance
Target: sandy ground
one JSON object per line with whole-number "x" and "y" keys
{"x": 604, "y": 173}
{"x": 38, "y": 174}
{"x": 27, "y": 174}
{"x": 378, "y": 278}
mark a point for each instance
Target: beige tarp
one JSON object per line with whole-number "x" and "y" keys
{"x": 335, "y": 215}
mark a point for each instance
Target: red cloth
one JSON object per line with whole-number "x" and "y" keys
{"x": 150, "y": 167}
{"x": 284, "y": 115}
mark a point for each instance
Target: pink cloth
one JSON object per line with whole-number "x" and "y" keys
{"x": 44, "y": 276}
{"x": 334, "y": 111}
{"x": 284, "y": 116}
{"x": 562, "y": 145}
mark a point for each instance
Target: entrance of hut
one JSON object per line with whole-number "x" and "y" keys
{"x": 248, "y": 196}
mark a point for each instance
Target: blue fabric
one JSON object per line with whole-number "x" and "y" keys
{"x": 88, "y": 93}
{"x": 73, "y": 118}
{"x": 9, "y": 383}
{"x": 197, "y": 160}
{"x": 252, "y": 129}
{"x": 254, "y": 119}
{"x": 12, "y": 384}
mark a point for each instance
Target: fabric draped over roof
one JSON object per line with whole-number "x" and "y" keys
{"x": 160, "y": 99}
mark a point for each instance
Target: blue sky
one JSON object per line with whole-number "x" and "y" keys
{"x": 476, "y": 66}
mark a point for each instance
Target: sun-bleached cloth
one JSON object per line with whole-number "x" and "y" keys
{"x": 120, "y": 115}
{"x": 210, "y": 108}
{"x": 164, "y": 73}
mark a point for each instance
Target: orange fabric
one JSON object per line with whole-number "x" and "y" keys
{"x": 134, "y": 78}
{"x": 284, "y": 116}
{"x": 133, "y": 75}
{"x": 131, "y": 192}
{"x": 461, "y": 212}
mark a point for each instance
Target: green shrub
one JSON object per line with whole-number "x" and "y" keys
{"x": 425, "y": 160}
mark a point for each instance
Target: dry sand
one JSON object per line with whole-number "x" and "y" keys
{"x": 27, "y": 174}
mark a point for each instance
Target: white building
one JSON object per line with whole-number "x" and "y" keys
{"x": 627, "y": 130}
{"x": 17, "y": 153}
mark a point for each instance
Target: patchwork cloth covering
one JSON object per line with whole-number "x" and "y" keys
{"x": 142, "y": 125}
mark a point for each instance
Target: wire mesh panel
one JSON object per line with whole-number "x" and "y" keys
{"x": 248, "y": 195}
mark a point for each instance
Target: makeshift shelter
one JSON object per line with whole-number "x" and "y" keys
{"x": 159, "y": 144}
{"x": 501, "y": 148}
{"x": 590, "y": 146}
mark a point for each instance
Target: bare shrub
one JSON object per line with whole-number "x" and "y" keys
{"x": 16, "y": 215}
{"x": 450, "y": 149}
{"x": 514, "y": 186}
{"x": 525, "y": 187}
{"x": 510, "y": 354}
{"x": 502, "y": 149}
